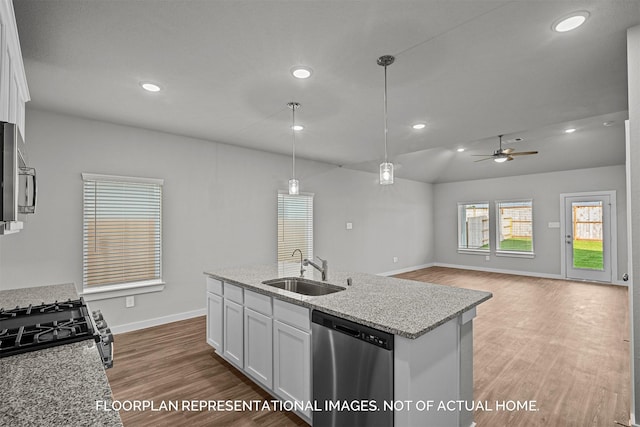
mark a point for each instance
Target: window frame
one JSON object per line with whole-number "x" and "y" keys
{"x": 130, "y": 288}
{"x": 507, "y": 252}
{"x": 473, "y": 251}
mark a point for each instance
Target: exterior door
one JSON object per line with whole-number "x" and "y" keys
{"x": 587, "y": 237}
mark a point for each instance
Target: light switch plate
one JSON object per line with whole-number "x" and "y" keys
{"x": 349, "y": 225}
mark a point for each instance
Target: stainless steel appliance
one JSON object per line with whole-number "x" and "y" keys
{"x": 18, "y": 180}
{"x": 32, "y": 328}
{"x": 352, "y": 373}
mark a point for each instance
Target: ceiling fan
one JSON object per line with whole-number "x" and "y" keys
{"x": 503, "y": 154}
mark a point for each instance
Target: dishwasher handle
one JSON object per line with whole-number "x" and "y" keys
{"x": 347, "y": 330}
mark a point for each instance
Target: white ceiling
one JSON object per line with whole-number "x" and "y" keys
{"x": 468, "y": 69}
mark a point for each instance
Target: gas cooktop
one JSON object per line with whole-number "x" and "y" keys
{"x": 36, "y": 327}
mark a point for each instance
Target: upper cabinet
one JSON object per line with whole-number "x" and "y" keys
{"x": 14, "y": 92}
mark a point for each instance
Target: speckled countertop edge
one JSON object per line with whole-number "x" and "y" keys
{"x": 403, "y": 307}
{"x": 56, "y": 386}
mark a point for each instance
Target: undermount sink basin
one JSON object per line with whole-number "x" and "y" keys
{"x": 303, "y": 286}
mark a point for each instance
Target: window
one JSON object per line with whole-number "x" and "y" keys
{"x": 514, "y": 227}
{"x": 473, "y": 226}
{"x": 295, "y": 226}
{"x": 122, "y": 231}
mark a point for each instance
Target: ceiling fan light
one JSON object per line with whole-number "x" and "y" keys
{"x": 386, "y": 173}
{"x": 500, "y": 159}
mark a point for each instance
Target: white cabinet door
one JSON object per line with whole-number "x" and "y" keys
{"x": 233, "y": 333}
{"x": 258, "y": 342}
{"x": 214, "y": 321}
{"x": 292, "y": 360}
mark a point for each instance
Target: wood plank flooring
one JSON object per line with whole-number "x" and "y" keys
{"x": 563, "y": 344}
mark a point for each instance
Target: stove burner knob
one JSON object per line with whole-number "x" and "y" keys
{"x": 97, "y": 315}
{"x": 106, "y": 338}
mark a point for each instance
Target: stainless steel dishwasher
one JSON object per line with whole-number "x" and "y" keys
{"x": 352, "y": 373}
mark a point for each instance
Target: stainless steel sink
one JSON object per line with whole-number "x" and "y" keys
{"x": 303, "y": 286}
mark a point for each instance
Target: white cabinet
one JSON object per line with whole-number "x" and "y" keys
{"x": 233, "y": 343}
{"x": 258, "y": 342}
{"x": 14, "y": 92}
{"x": 214, "y": 321}
{"x": 292, "y": 353}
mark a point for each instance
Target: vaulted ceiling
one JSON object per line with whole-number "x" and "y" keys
{"x": 469, "y": 70}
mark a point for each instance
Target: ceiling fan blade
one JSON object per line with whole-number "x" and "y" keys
{"x": 481, "y": 160}
{"x": 524, "y": 153}
{"x": 509, "y": 158}
{"x": 483, "y": 155}
{"x": 507, "y": 151}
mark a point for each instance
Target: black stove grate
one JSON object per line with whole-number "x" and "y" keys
{"x": 33, "y": 328}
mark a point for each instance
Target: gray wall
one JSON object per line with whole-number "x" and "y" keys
{"x": 219, "y": 210}
{"x": 633, "y": 178}
{"x": 545, "y": 190}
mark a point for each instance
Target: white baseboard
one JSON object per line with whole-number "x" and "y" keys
{"x": 523, "y": 273}
{"x": 500, "y": 270}
{"x": 128, "y": 327}
{"x": 405, "y": 270}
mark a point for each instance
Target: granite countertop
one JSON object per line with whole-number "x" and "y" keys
{"x": 402, "y": 307}
{"x": 57, "y": 386}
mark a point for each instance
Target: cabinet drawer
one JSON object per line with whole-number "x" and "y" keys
{"x": 294, "y": 315}
{"x": 214, "y": 286}
{"x": 233, "y": 293}
{"x": 257, "y": 302}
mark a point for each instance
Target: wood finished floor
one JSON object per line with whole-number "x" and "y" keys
{"x": 563, "y": 344}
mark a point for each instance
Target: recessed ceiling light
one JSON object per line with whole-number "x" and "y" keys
{"x": 609, "y": 123}
{"x": 419, "y": 126}
{"x": 297, "y": 127}
{"x": 460, "y": 150}
{"x": 150, "y": 87}
{"x": 570, "y": 22}
{"x": 570, "y": 130}
{"x": 301, "y": 72}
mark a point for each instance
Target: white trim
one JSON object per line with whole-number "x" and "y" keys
{"x": 515, "y": 254}
{"x": 117, "y": 178}
{"x": 405, "y": 270}
{"x": 122, "y": 290}
{"x": 474, "y": 251}
{"x": 157, "y": 321}
{"x": 499, "y": 270}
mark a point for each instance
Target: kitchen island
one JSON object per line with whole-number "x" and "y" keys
{"x": 432, "y": 327}
{"x": 55, "y": 386}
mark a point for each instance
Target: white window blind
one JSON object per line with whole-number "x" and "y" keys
{"x": 295, "y": 225}
{"x": 122, "y": 230}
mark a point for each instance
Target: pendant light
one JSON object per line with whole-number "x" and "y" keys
{"x": 386, "y": 168}
{"x": 294, "y": 185}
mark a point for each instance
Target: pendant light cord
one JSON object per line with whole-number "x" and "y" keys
{"x": 293, "y": 131}
{"x": 385, "y": 114}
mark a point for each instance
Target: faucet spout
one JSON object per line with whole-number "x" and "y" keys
{"x": 324, "y": 270}
{"x": 301, "y": 261}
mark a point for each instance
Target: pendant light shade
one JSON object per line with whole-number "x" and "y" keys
{"x": 294, "y": 185}
{"x": 386, "y": 168}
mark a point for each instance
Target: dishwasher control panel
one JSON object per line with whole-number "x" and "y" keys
{"x": 355, "y": 330}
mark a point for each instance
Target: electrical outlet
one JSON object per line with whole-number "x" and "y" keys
{"x": 130, "y": 301}
{"x": 349, "y": 225}
{"x": 395, "y": 259}
{"x": 487, "y": 258}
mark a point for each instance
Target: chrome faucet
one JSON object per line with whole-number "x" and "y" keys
{"x": 324, "y": 270}
{"x": 301, "y": 262}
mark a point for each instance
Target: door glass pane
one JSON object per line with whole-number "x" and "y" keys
{"x": 587, "y": 235}
{"x": 473, "y": 226}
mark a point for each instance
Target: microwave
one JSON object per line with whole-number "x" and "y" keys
{"x": 18, "y": 180}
